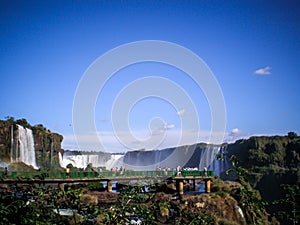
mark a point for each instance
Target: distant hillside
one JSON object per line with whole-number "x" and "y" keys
{"x": 266, "y": 156}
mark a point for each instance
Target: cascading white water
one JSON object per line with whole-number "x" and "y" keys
{"x": 25, "y": 151}
{"x": 208, "y": 157}
{"x": 210, "y": 160}
{"x": 97, "y": 160}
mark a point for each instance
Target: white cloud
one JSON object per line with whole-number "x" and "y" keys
{"x": 235, "y": 131}
{"x": 235, "y": 134}
{"x": 181, "y": 112}
{"x": 263, "y": 71}
{"x": 169, "y": 126}
{"x": 162, "y": 129}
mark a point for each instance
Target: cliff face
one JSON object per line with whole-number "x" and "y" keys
{"x": 277, "y": 156}
{"x": 273, "y": 163}
{"x": 5, "y": 139}
{"x": 46, "y": 144}
{"x": 279, "y": 151}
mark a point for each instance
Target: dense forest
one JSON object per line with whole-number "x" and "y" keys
{"x": 272, "y": 164}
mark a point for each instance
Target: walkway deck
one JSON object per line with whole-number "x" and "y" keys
{"x": 107, "y": 176}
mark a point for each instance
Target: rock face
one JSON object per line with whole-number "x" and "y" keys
{"x": 47, "y": 147}
{"x": 5, "y": 141}
{"x": 223, "y": 208}
{"x": 275, "y": 158}
{"x": 46, "y": 144}
{"x": 272, "y": 162}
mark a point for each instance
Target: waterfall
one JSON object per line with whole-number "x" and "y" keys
{"x": 12, "y": 143}
{"x": 209, "y": 156}
{"x": 83, "y": 159}
{"x": 213, "y": 158}
{"x": 60, "y": 160}
{"x": 24, "y": 147}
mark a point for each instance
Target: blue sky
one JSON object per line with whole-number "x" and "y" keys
{"x": 252, "y": 48}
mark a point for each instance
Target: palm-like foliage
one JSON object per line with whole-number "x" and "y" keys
{"x": 240, "y": 172}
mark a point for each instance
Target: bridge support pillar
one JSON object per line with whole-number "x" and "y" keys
{"x": 207, "y": 185}
{"x": 109, "y": 186}
{"x": 195, "y": 187}
{"x": 179, "y": 187}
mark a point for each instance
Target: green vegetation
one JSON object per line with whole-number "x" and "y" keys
{"x": 44, "y": 205}
{"x": 239, "y": 172}
{"x": 249, "y": 200}
{"x": 251, "y": 203}
{"x": 289, "y": 202}
{"x": 271, "y": 162}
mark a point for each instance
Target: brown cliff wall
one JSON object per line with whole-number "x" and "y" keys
{"x": 47, "y": 144}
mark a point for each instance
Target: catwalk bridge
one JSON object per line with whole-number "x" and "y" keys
{"x": 61, "y": 178}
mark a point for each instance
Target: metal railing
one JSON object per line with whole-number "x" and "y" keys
{"x": 83, "y": 174}
{"x": 194, "y": 173}
{"x": 102, "y": 174}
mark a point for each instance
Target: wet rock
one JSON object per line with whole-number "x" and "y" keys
{"x": 105, "y": 197}
{"x": 89, "y": 199}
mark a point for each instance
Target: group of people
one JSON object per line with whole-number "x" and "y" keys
{"x": 117, "y": 170}
{"x": 164, "y": 169}
{"x": 178, "y": 169}
{"x": 121, "y": 170}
